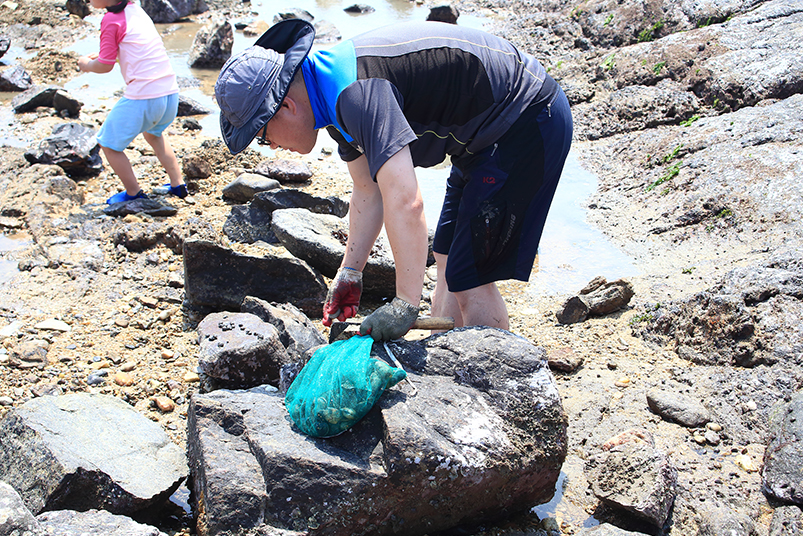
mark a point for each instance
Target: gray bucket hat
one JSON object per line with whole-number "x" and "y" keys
{"x": 252, "y": 85}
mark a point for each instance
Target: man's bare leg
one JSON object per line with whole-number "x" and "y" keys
{"x": 444, "y": 303}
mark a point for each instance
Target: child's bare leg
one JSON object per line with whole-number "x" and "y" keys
{"x": 164, "y": 152}
{"x": 122, "y": 167}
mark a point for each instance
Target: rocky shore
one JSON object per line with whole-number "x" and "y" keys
{"x": 690, "y": 114}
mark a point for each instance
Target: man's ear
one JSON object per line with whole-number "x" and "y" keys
{"x": 290, "y": 103}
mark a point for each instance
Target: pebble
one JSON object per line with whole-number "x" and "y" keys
{"x": 164, "y": 404}
{"x": 168, "y": 354}
{"x": 699, "y": 439}
{"x": 123, "y": 379}
{"x": 714, "y": 427}
{"x": 99, "y": 365}
{"x": 745, "y": 462}
{"x": 128, "y": 366}
{"x": 6, "y": 400}
{"x": 53, "y": 325}
{"x": 751, "y": 405}
{"x": 96, "y": 378}
{"x": 191, "y": 377}
{"x": 147, "y": 301}
{"x": 712, "y": 437}
{"x": 624, "y": 381}
{"x": 165, "y": 315}
{"x": 121, "y": 322}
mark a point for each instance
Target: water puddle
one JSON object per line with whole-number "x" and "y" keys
{"x": 571, "y": 252}
{"x": 10, "y": 244}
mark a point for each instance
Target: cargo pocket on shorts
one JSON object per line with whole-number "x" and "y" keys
{"x": 492, "y": 231}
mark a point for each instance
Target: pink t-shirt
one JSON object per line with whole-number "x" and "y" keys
{"x": 132, "y": 38}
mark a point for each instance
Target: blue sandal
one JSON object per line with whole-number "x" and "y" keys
{"x": 121, "y": 197}
{"x": 178, "y": 191}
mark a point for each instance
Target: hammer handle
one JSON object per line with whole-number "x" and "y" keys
{"x": 433, "y": 322}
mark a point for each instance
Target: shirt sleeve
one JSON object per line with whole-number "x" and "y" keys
{"x": 370, "y": 111}
{"x": 112, "y": 31}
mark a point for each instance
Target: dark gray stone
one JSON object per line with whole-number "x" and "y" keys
{"x": 782, "y": 472}
{"x": 240, "y": 350}
{"x": 218, "y": 278}
{"x": 31, "y": 99}
{"x": 359, "y": 9}
{"x": 71, "y": 146}
{"x": 296, "y": 331}
{"x": 141, "y": 205}
{"x": 79, "y": 8}
{"x": 15, "y": 78}
{"x": 678, "y": 408}
{"x": 284, "y": 170}
{"x": 248, "y": 224}
{"x": 172, "y": 10}
{"x": 446, "y": 13}
{"x": 188, "y": 106}
{"x": 292, "y": 198}
{"x": 484, "y": 432}
{"x": 93, "y": 523}
{"x": 247, "y": 185}
{"x": 66, "y": 105}
{"x": 212, "y": 45}
{"x": 81, "y": 451}
{"x": 320, "y": 240}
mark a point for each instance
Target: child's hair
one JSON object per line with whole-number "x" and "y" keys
{"x": 118, "y": 7}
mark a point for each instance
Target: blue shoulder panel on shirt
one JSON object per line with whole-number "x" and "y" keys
{"x": 327, "y": 73}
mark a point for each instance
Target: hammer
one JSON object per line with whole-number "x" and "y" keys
{"x": 351, "y": 327}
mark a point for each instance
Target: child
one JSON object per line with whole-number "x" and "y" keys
{"x": 150, "y": 101}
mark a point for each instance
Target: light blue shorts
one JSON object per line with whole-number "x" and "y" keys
{"x": 130, "y": 117}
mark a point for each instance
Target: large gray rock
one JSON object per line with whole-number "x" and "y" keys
{"x": 320, "y": 240}
{"x": 678, "y": 408}
{"x": 218, "y": 278}
{"x": 83, "y": 451}
{"x": 71, "y": 146}
{"x": 247, "y": 185}
{"x": 240, "y": 350}
{"x": 15, "y": 78}
{"x": 292, "y": 198}
{"x": 93, "y": 523}
{"x": 782, "y": 473}
{"x": 15, "y": 518}
{"x": 724, "y": 521}
{"x": 172, "y": 10}
{"x": 786, "y": 521}
{"x": 632, "y": 475}
{"x": 483, "y": 436}
{"x": 212, "y": 45}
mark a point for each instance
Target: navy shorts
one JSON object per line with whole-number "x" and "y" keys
{"x": 497, "y": 200}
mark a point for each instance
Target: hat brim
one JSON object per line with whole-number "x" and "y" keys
{"x": 293, "y": 38}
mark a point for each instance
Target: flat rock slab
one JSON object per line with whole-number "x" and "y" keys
{"x": 82, "y": 451}
{"x": 782, "y": 472}
{"x": 482, "y": 436}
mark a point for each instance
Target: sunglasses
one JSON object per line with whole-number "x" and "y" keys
{"x": 261, "y": 138}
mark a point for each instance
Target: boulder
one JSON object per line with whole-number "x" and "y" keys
{"x": 15, "y": 78}
{"x": 71, "y": 146}
{"x": 15, "y": 518}
{"x": 482, "y": 435}
{"x": 188, "y": 106}
{"x": 240, "y": 350}
{"x": 630, "y": 474}
{"x": 93, "y": 523}
{"x": 172, "y": 10}
{"x": 212, "y": 45}
{"x": 247, "y": 185}
{"x": 248, "y": 224}
{"x": 292, "y": 198}
{"x": 320, "y": 240}
{"x": 218, "y": 278}
{"x": 296, "y": 332}
{"x": 284, "y": 170}
{"x": 83, "y": 451}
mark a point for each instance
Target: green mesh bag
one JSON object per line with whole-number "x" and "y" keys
{"x": 338, "y": 386}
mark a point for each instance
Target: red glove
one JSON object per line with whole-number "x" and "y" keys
{"x": 343, "y": 298}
